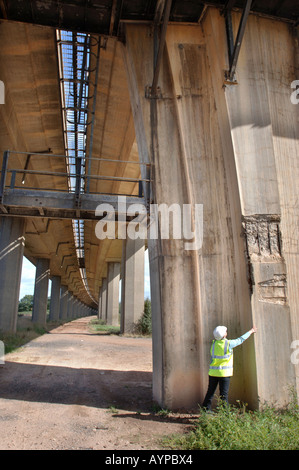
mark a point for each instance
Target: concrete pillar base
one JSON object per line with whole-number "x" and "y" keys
{"x": 132, "y": 299}
{"x": 63, "y": 303}
{"x": 113, "y": 294}
{"x": 12, "y": 241}
{"x": 39, "y": 311}
{"x": 55, "y": 299}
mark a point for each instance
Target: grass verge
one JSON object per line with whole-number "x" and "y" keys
{"x": 98, "y": 326}
{"x": 26, "y": 332}
{"x": 235, "y": 428}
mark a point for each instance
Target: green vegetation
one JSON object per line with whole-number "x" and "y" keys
{"x": 235, "y": 428}
{"x": 100, "y": 327}
{"x": 26, "y": 303}
{"x": 26, "y": 331}
{"x": 144, "y": 325}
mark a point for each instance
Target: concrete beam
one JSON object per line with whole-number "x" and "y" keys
{"x": 53, "y": 204}
{"x": 12, "y": 241}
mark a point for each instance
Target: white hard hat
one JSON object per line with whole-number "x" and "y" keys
{"x": 219, "y": 332}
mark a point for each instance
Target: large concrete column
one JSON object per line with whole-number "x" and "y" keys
{"x": 194, "y": 286}
{"x": 39, "y": 311}
{"x": 12, "y": 242}
{"x": 70, "y": 305}
{"x": 75, "y": 307}
{"x": 100, "y": 304}
{"x": 234, "y": 150}
{"x": 63, "y": 303}
{"x": 132, "y": 299}
{"x": 113, "y": 293}
{"x": 55, "y": 299}
{"x": 263, "y": 125}
{"x": 104, "y": 299}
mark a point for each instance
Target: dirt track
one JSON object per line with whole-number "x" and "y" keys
{"x": 73, "y": 389}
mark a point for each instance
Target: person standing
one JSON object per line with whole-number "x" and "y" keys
{"x": 221, "y": 366}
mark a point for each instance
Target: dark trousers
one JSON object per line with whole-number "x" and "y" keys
{"x": 223, "y": 387}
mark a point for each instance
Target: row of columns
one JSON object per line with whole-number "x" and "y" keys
{"x": 131, "y": 273}
{"x": 64, "y": 305}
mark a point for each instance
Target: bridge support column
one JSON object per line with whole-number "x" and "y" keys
{"x": 70, "y": 305}
{"x": 63, "y": 303}
{"x": 12, "y": 241}
{"x": 233, "y": 149}
{"x": 113, "y": 293}
{"x": 74, "y": 309}
{"x": 104, "y": 299}
{"x": 55, "y": 298}
{"x": 77, "y": 308}
{"x": 132, "y": 299}
{"x": 194, "y": 285}
{"x": 39, "y": 311}
{"x": 264, "y": 133}
{"x": 100, "y": 304}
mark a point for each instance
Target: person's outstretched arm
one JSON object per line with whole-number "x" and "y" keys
{"x": 236, "y": 342}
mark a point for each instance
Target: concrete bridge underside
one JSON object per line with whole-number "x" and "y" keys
{"x": 203, "y": 135}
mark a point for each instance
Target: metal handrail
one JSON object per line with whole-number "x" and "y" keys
{"x": 74, "y": 175}
{"x": 57, "y": 155}
{"x": 83, "y": 177}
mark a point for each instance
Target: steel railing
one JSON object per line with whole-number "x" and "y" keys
{"x": 11, "y": 183}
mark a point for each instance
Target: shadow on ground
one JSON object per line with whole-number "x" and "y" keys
{"x": 129, "y": 390}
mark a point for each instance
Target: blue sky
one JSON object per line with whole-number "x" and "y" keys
{"x": 28, "y": 276}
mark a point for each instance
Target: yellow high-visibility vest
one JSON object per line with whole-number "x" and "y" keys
{"x": 221, "y": 359}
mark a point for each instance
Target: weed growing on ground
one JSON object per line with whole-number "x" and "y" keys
{"x": 26, "y": 332}
{"x": 99, "y": 326}
{"x": 235, "y": 428}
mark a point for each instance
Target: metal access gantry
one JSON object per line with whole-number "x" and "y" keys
{"x": 78, "y": 63}
{"x": 17, "y": 199}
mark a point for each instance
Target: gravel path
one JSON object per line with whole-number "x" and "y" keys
{"x": 74, "y": 389}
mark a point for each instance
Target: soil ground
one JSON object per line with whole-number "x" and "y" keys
{"x": 75, "y": 389}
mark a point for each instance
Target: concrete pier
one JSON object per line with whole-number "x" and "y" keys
{"x": 104, "y": 299}
{"x": 55, "y": 299}
{"x": 113, "y": 293}
{"x": 63, "y": 303}
{"x": 12, "y": 241}
{"x": 70, "y": 305}
{"x": 100, "y": 305}
{"x": 132, "y": 301}
{"x": 225, "y": 147}
{"x": 39, "y": 311}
